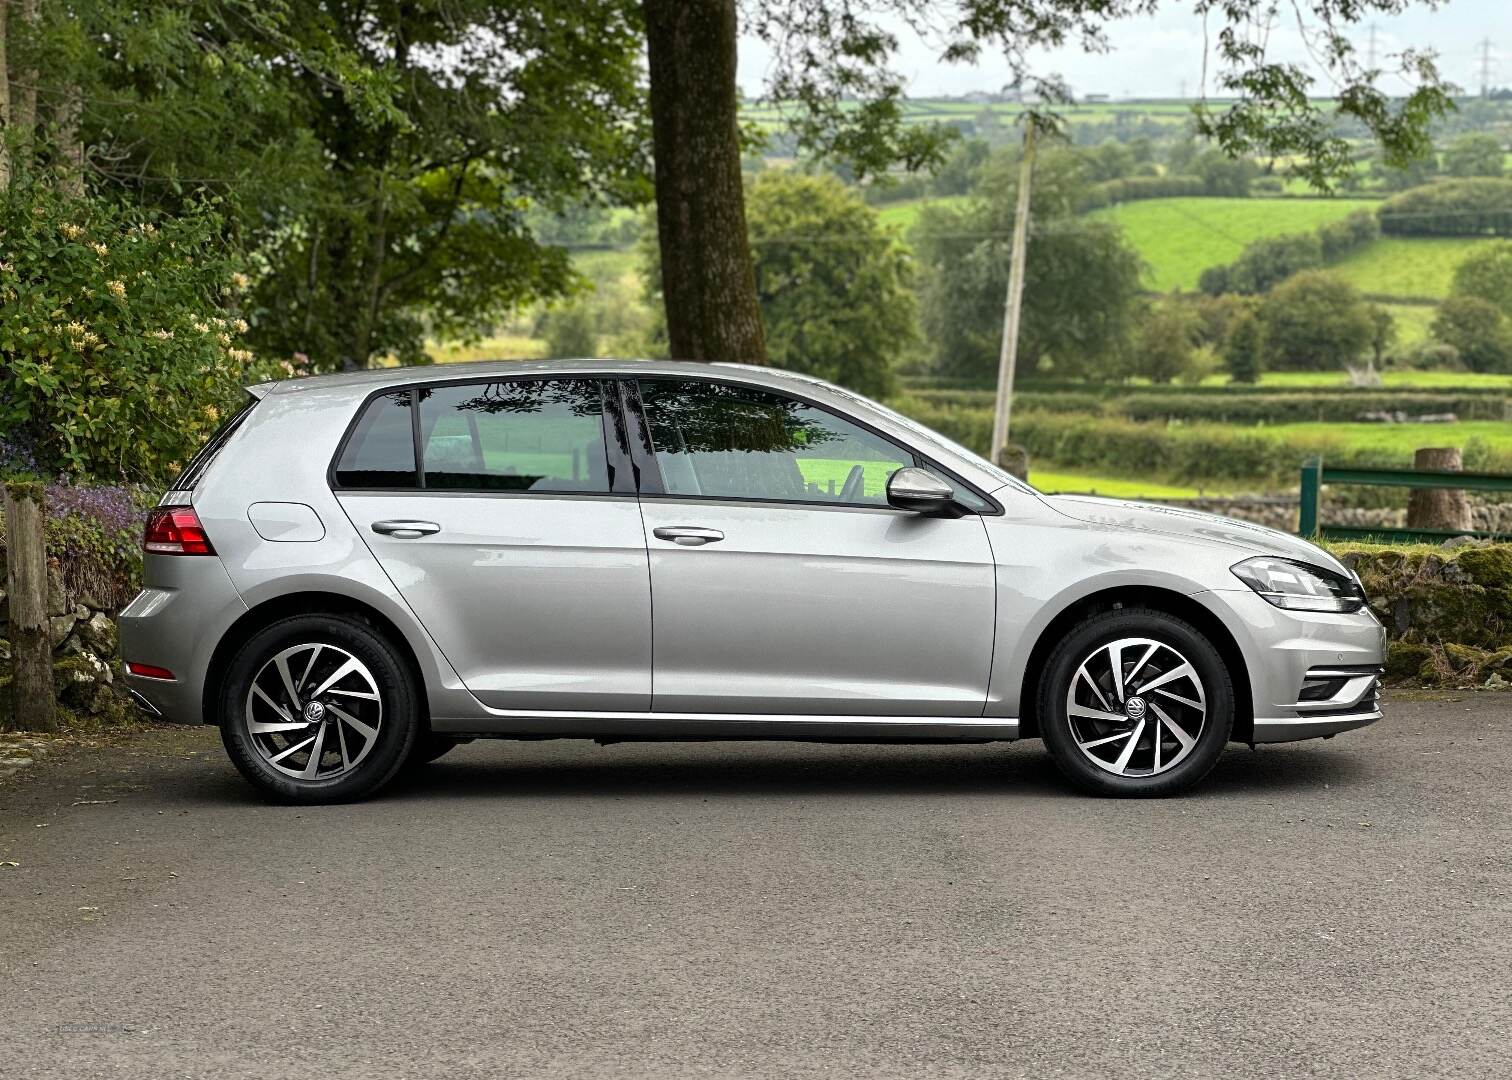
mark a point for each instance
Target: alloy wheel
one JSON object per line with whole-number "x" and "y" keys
{"x": 313, "y": 711}
{"x": 1136, "y": 707}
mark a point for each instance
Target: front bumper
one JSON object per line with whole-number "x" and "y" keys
{"x": 1312, "y": 674}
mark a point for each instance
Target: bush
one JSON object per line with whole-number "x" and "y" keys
{"x": 117, "y": 334}
{"x": 1314, "y": 321}
{"x": 1450, "y": 208}
{"x": 1135, "y": 188}
{"x": 1486, "y": 274}
{"x": 1339, "y": 238}
{"x": 1478, "y": 332}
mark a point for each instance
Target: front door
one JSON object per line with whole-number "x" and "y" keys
{"x": 782, "y": 582}
{"x": 515, "y": 537}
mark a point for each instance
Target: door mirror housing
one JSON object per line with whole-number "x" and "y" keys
{"x": 919, "y": 490}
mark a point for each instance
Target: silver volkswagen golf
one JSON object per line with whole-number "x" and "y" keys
{"x": 361, "y": 571}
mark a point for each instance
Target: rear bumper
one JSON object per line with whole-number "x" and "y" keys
{"x": 174, "y": 623}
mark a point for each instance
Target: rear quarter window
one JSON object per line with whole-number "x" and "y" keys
{"x": 380, "y": 452}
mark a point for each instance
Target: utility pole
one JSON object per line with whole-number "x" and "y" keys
{"x": 1371, "y": 54}
{"x": 1012, "y": 306}
{"x": 1485, "y": 67}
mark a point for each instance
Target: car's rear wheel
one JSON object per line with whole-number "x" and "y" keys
{"x": 318, "y": 709}
{"x": 1136, "y": 702}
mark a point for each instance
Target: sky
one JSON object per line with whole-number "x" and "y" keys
{"x": 1161, "y": 55}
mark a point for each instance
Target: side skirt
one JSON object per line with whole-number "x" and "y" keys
{"x": 625, "y": 727}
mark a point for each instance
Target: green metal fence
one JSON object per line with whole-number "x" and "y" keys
{"x": 1315, "y": 474}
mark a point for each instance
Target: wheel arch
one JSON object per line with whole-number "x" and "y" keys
{"x": 307, "y": 603}
{"x": 1180, "y": 605}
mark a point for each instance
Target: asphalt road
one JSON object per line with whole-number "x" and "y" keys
{"x": 745, "y": 910}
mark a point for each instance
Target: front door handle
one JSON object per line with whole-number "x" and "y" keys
{"x": 405, "y": 530}
{"x": 688, "y": 535}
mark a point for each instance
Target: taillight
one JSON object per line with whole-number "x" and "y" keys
{"x": 175, "y": 530}
{"x": 148, "y": 671}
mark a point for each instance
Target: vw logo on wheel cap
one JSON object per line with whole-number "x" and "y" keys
{"x": 1134, "y": 707}
{"x": 314, "y": 712}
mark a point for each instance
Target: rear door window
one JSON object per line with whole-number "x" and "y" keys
{"x": 519, "y": 435}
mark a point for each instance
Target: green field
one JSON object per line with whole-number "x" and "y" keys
{"x": 903, "y": 214}
{"x": 1180, "y": 238}
{"x": 1403, "y": 266}
{"x": 1393, "y": 380}
{"x": 1052, "y": 481}
{"x": 1398, "y": 439}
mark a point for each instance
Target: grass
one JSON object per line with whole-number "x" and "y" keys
{"x": 1052, "y": 481}
{"x": 1394, "y": 380}
{"x": 1180, "y": 238}
{"x": 1406, "y": 266}
{"x": 904, "y": 213}
{"x": 1412, "y": 321}
{"x": 1397, "y": 439}
{"x": 502, "y": 347}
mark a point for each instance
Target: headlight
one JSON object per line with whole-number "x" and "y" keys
{"x": 1299, "y": 587}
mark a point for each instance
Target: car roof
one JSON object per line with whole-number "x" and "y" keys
{"x": 370, "y": 379}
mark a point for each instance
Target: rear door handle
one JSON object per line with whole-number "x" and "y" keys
{"x": 405, "y": 530}
{"x": 688, "y": 535}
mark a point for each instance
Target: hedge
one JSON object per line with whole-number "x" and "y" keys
{"x": 1335, "y": 406}
{"x": 1477, "y": 207}
{"x": 1183, "y": 453}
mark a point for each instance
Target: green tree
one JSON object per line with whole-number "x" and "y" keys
{"x": 833, "y": 78}
{"x": 571, "y": 333}
{"x": 381, "y": 161}
{"x": 833, "y": 284}
{"x": 1081, "y": 291}
{"x": 1383, "y": 333}
{"x": 1314, "y": 321}
{"x": 1486, "y": 274}
{"x": 1163, "y": 346}
{"x": 1474, "y": 154}
{"x": 1244, "y": 349}
{"x": 1478, "y": 330}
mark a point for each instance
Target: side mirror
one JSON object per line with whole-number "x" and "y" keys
{"x": 919, "y": 490}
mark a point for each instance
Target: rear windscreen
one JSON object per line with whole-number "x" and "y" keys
{"x": 201, "y": 461}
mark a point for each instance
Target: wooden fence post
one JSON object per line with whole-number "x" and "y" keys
{"x": 31, "y": 640}
{"x": 1438, "y": 508}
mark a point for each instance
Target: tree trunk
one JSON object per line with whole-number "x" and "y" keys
{"x": 70, "y": 144}
{"x": 24, "y": 91}
{"x": 5, "y": 109}
{"x": 708, "y": 281}
{"x": 1438, "y": 508}
{"x": 26, "y": 574}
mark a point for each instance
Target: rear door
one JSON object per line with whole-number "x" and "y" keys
{"x": 514, "y": 535}
{"x": 784, "y": 583}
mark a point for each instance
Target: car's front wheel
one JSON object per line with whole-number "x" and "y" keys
{"x": 318, "y": 709}
{"x": 1136, "y": 702}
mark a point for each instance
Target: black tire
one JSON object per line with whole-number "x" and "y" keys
{"x": 397, "y": 703}
{"x": 429, "y": 746}
{"x": 1085, "y": 643}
